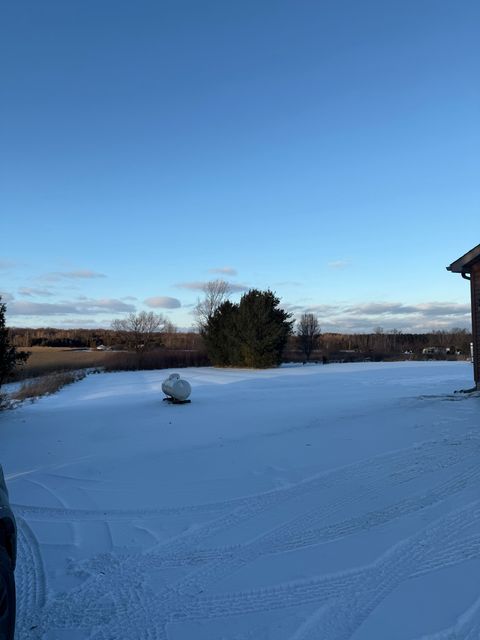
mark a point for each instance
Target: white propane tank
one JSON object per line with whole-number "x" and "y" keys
{"x": 176, "y": 388}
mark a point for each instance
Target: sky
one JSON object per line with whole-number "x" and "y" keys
{"x": 327, "y": 150}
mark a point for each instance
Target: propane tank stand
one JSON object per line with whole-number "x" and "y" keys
{"x": 171, "y": 400}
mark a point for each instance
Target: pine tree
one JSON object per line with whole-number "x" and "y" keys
{"x": 9, "y": 356}
{"x": 221, "y": 335}
{"x": 252, "y": 333}
{"x": 263, "y": 329}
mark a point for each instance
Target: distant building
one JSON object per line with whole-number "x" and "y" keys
{"x": 435, "y": 351}
{"x": 469, "y": 266}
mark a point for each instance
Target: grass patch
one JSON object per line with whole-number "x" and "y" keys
{"x": 49, "y": 360}
{"x": 46, "y": 361}
{"x": 46, "y": 385}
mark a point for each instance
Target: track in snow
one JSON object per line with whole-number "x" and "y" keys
{"x": 114, "y": 599}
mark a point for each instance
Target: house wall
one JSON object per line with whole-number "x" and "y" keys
{"x": 475, "y": 289}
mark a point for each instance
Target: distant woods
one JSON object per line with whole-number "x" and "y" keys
{"x": 115, "y": 339}
{"x": 380, "y": 345}
{"x": 386, "y": 343}
{"x": 329, "y": 344}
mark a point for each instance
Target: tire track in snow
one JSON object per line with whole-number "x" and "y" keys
{"x": 302, "y": 534}
{"x": 30, "y": 581}
{"x": 298, "y": 532}
{"x": 352, "y": 595}
{"x": 278, "y": 598}
{"x": 402, "y": 466}
{"x": 444, "y": 542}
{"x": 427, "y": 456}
{"x": 466, "y": 628}
{"x": 89, "y": 606}
{"x": 113, "y": 603}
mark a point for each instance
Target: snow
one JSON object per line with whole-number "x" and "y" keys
{"x": 301, "y": 503}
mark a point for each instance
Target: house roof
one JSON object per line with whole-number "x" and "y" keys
{"x": 464, "y": 264}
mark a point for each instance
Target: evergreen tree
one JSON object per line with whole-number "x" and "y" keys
{"x": 221, "y": 335}
{"x": 252, "y": 333}
{"x": 263, "y": 329}
{"x": 9, "y": 356}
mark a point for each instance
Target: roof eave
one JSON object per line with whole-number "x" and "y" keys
{"x": 465, "y": 263}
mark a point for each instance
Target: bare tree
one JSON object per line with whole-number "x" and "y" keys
{"x": 169, "y": 334}
{"x": 140, "y": 330}
{"x": 216, "y": 292}
{"x": 169, "y": 327}
{"x": 394, "y": 333}
{"x": 308, "y": 333}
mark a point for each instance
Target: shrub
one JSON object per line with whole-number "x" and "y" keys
{"x": 6, "y": 402}
{"x": 46, "y": 385}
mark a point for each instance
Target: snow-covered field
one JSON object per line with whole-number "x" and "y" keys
{"x": 304, "y": 503}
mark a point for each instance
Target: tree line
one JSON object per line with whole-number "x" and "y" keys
{"x": 380, "y": 345}
{"x": 327, "y": 343}
{"x": 92, "y": 338}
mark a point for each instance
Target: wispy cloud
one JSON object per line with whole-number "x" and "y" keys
{"x": 226, "y": 271}
{"x": 106, "y": 304}
{"x": 78, "y": 274}
{"x": 291, "y": 308}
{"x": 198, "y": 285}
{"x": 322, "y": 309}
{"x": 83, "y": 273}
{"x": 81, "y": 322}
{"x": 23, "y": 308}
{"x": 65, "y": 307}
{"x": 29, "y": 292}
{"x": 444, "y": 309}
{"x": 6, "y": 297}
{"x": 6, "y": 264}
{"x": 397, "y": 308}
{"x": 339, "y": 264}
{"x": 363, "y": 317}
{"x": 163, "y": 302}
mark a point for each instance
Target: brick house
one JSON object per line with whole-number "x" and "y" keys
{"x": 469, "y": 266}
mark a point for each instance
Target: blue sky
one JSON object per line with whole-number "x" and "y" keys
{"x": 328, "y": 150}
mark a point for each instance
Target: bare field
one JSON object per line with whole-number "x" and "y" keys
{"x": 45, "y": 360}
